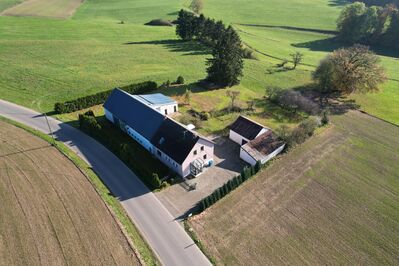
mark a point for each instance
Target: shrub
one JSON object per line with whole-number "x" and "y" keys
{"x": 294, "y": 100}
{"x": 248, "y": 53}
{"x": 309, "y": 125}
{"x": 180, "y": 80}
{"x": 156, "y": 182}
{"x": 324, "y": 118}
{"x": 89, "y": 124}
{"x": 159, "y": 22}
{"x": 101, "y": 97}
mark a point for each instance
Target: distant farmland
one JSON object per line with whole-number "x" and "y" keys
{"x": 333, "y": 200}
{"x": 44, "y": 8}
{"x": 49, "y": 213}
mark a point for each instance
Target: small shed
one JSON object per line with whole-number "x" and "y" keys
{"x": 243, "y": 130}
{"x": 159, "y": 102}
{"x": 262, "y": 149}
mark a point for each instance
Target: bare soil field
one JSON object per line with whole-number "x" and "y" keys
{"x": 49, "y": 213}
{"x": 44, "y": 8}
{"x": 333, "y": 200}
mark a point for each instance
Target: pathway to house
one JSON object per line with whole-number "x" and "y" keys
{"x": 180, "y": 201}
{"x": 163, "y": 233}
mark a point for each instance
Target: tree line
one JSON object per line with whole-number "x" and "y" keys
{"x": 101, "y": 97}
{"x": 369, "y": 25}
{"x": 225, "y": 66}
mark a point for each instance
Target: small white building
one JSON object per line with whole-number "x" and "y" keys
{"x": 258, "y": 143}
{"x": 159, "y": 102}
{"x": 244, "y": 130}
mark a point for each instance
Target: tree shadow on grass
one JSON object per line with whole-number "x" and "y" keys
{"x": 185, "y": 47}
{"x": 331, "y": 44}
{"x": 338, "y": 2}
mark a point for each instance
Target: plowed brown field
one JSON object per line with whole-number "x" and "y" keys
{"x": 49, "y": 212}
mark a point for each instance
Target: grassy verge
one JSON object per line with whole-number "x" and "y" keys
{"x": 194, "y": 237}
{"x": 145, "y": 253}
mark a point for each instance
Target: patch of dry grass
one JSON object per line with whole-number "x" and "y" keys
{"x": 333, "y": 200}
{"x": 44, "y": 8}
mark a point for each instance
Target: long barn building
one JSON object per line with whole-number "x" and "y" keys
{"x": 145, "y": 119}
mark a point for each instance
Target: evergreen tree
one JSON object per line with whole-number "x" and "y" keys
{"x": 225, "y": 68}
{"x": 185, "y": 28}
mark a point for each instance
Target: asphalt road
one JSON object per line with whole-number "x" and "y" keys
{"x": 166, "y": 236}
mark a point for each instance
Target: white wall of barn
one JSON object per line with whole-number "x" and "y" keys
{"x": 237, "y": 138}
{"x": 246, "y": 157}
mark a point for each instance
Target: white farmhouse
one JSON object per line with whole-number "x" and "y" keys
{"x": 144, "y": 118}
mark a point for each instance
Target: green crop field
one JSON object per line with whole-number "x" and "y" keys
{"x": 46, "y": 60}
{"x": 333, "y": 200}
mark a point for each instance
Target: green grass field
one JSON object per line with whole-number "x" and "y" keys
{"x": 48, "y": 60}
{"x": 333, "y": 200}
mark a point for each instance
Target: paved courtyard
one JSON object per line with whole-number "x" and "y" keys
{"x": 180, "y": 201}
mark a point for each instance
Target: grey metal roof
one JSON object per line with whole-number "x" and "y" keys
{"x": 155, "y": 99}
{"x": 134, "y": 113}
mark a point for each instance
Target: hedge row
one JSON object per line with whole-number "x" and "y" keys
{"x": 232, "y": 184}
{"x": 125, "y": 152}
{"x": 101, "y": 97}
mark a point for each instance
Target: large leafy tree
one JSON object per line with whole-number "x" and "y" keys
{"x": 349, "y": 70}
{"x": 225, "y": 67}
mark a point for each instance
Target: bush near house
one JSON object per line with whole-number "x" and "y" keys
{"x": 147, "y": 168}
{"x": 229, "y": 186}
{"x": 101, "y": 97}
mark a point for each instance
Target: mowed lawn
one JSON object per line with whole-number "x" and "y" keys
{"x": 333, "y": 200}
{"x": 44, "y": 60}
{"x": 50, "y": 213}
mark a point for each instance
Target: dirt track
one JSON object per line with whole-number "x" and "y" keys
{"x": 49, "y": 213}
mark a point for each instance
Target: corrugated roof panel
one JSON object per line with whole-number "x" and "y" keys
{"x": 157, "y": 99}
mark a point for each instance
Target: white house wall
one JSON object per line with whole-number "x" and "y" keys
{"x": 264, "y": 130}
{"x": 109, "y": 115}
{"x": 208, "y": 151}
{"x": 237, "y": 138}
{"x": 169, "y": 162}
{"x": 139, "y": 138}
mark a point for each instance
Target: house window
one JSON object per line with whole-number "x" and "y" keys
{"x": 204, "y": 157}
{"x": 195, "y": 152}
{"x": 175, "y": 108}
{"x": 166, "y": 111}
{"x": 202, "y": 148}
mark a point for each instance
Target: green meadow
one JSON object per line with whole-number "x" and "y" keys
{"x": 45, "y": 60}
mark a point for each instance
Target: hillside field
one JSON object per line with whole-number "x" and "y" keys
{"x": 50, "y": 213}
{"x": 333, "y": 200}
{"x": 45, "y": 60}
{"x": 44, "y": 8}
